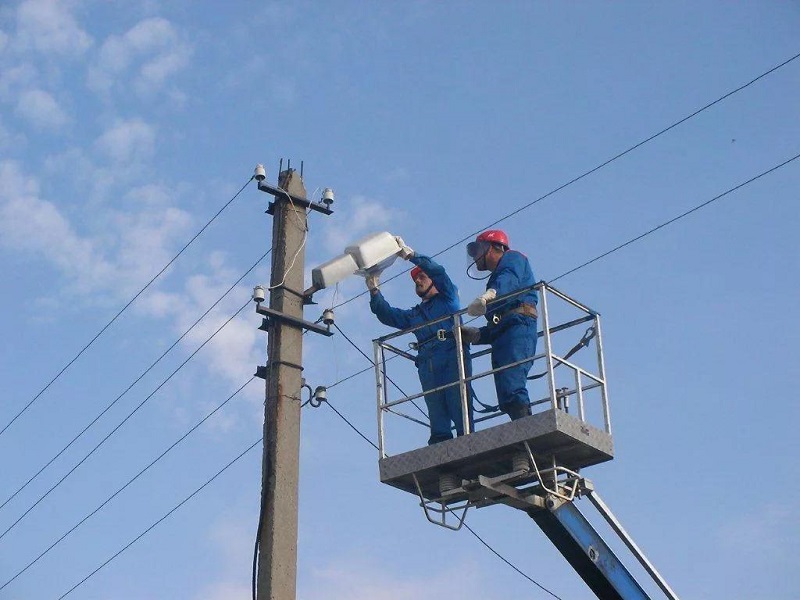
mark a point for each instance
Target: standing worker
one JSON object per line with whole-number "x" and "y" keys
{"x": 436, "y": 361}
{"x": 511, "y": 328}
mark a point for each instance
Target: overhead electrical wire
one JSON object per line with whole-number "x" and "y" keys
{"x": 122, "y": 310}
{"x": 509, "y": 563}
{"x": 495, "y": 552}
{"x": 115, "y": 429}
{"x": 354, "y": 428}
{"x": 139, "y": 378}
{"x": 166, "y": 515}
{"x": 209, "y": 481}
{"x": 555, "y": 190}
{"x": 601, "y": 165}
{"x": 680, "y": 216}
{"x": 353, "y": 344}
{"x": 150, "y": 368}
{"x": 630, "y": 241}
{"x": 129, "y": 482}
{"x": 120, "y": 424}
{"x": 599, "y": 257}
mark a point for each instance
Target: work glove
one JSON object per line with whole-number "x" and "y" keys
{"x": 373, "y": 281}
{"x": 405, "y": 251}
{"x": 477, "y": 307}
{"x": 470, "y": 335}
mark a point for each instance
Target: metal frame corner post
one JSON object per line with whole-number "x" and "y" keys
{"x": 380, "y": 387}
{"x": 277, "y": 567}
{"x": 463, "y": 390}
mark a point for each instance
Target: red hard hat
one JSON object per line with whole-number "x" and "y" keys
{"x": 481, "y": 243}
{"x": 494, "y": 236}
{"x": 415, "y": 271}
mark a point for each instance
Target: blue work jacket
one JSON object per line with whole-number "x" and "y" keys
{"x": 444, "y": 303}
{"x": 513, "y": 273}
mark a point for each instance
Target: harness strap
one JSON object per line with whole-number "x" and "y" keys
{"x": 529, "y": 310}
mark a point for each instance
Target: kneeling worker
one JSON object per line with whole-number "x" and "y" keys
{"x": 436, "y": 361}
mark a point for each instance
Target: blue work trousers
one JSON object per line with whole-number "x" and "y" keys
{"x": 516, "y": 339}
{"x": 444, "y": 406}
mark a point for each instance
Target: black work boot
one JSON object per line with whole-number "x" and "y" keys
{"x": 517, "y": 411}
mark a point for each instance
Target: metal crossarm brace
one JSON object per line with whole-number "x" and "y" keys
{"x": 296, "y": 200}
{"x": 289, "y": 320}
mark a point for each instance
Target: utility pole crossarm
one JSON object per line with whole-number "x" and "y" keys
{"x": 301, "y": 201}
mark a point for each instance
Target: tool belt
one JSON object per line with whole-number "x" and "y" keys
{"x": 529, "y": 310}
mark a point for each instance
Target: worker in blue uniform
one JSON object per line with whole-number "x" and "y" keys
{"x": 436, "y": 361}
{"x": 511, "y": 328}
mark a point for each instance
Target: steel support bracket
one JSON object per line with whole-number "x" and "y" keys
{"x": 296, "y": 200}
{"x": 289, "y": 320}
{"x": 491, "y": 489}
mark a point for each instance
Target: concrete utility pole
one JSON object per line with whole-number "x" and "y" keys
{"x": 277, "y": 568}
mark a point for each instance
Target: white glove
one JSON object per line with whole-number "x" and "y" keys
{"x": 405, "y": 251}
{"x": 373, "y": 280}
{"x": 477, "y": 307}
{"x": 470, "y": 335}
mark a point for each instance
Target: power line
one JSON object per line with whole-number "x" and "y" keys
{"x": 197, "y": 491}
{"x": 505, "y": 560}
{"x": 353, "y": 427}
{"x": 146, "y": 531}
{"x": 122, "y": 310}
{"x": 353, "y": 344}
{"x": 356, "y": 430}
{"x": 504, "y": 218}
{"x": 599, "y": 257}
{"x": 139, "y": 378}
{"x": 142, "y": 403}
{"x": 495, "y": 552}
{"x": 629, "y": 242}
{"x": 680, "y": 216}
{"x": 129, "y": 482}
{"x": 600, "y": 166}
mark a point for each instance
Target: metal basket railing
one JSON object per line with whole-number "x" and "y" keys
{"x": 566, "y": 379}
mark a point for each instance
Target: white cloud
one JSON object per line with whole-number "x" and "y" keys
{"x": 129, "y": 250}
{"x": 237, "y": 347}
{"x": 127, "y": 141}
{"x": 41, "y": 109}
{"x": 365, "y": 216}
{"x": 152, "y": 50}
{"x": 397, "y": 174}
{"x": 9, "y": 139}
{"x": 226, "y": 590}
{"x": 30, "y": 224}
{"x": 14, "y": 79}
{"x": 233, "y": 542}
{"x": 144, "y": 240}
{"x": 343, "y": 577}
{"x": 48, "y": 27}
{"x": 358, "y": 579}
{"x": 766, "y": 535}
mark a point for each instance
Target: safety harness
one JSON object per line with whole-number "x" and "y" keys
{"x": 529, "y": 310}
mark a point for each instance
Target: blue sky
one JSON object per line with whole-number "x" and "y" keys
{"x": 125, "y": 127}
